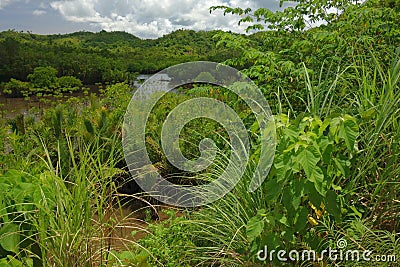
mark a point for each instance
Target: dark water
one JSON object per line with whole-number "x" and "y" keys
{"x": 11, "y": 107}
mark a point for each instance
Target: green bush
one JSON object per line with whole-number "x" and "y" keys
{"x": 43, "y": 77}
{"x": 69, "y": 83}
{"x": 168, "y": 244}
{"x": 16, "y": 88}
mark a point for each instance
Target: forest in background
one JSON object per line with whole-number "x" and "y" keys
{"x": 334, "y": 91}
{"x": 104, "y": 56}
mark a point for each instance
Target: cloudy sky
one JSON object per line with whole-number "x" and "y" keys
{"x": 143, "y": 18}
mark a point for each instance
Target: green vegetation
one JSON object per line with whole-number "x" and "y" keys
{"x": 42, "y": 81}
{"x": 104, "y": 56}
{"x": 335, "y": 95}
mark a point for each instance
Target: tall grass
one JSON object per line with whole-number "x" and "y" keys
{"x": 373, "y": 186}
{"x": 379, "y": 167}
{"x": 73, "y": 210}
{"x": 74, "y": 219}
{"x": 65, "y": 229}
{"x": 75, "y": 215}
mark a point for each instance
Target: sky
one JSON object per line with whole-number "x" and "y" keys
{"x": 143, "y": 18}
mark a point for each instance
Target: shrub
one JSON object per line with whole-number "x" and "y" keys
{"x": 43, "y": 77}
{"x": 69, "y": 83}
{"x": 16, "y": 88}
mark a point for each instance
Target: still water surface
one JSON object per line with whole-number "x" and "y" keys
{"x": 11, "y": 107}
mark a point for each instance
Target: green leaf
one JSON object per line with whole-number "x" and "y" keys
{"x": 308, "y": 159}
{"x": 10, "y": 261}
{"x": 282, "y": 165}
{"x": 292, "y": 132}
{"x": 284, "y": 220}
{"x": 336, "y": 187}
{"x": 273, "y": 189}
{"x": 254, "y": 227}
{"x": 317, "y": 177}
{"x": 348, "y": 131}
{"x": 289, "y": 235}
{"x": 326, "y": 148}
{"x": 9, "y": 237}
{"x": 287, "y": 203}
{"x": 301, "y": 219}
{"x": 342, "y": 166}
{"x": 272, "y": 240}
{"x": 356, "y": 212}
{"x": 314, "y": 196}
{"x": 332, "y": 205}
{"x": 299, "y": 187}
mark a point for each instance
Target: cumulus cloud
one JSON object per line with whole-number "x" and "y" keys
{"x": 42, "y": 5}
{"x": 151, "y": 18}
{"x": 39, "y": 12}
{"x": 4, "y": 3}
{"x": 145, "y": 18}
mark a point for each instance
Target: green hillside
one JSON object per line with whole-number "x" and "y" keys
{"x": 103, "y": 56}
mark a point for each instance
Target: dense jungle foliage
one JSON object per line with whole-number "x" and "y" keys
{"x": 334, "y": 93}
{"x": 104, "y": 56}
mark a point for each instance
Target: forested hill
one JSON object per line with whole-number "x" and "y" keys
{"x": 103, "y": 56}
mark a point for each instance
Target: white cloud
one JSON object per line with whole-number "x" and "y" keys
{"x": 151, "y": 18}
{"x": 42, "y": 5}
{"x": 4, "y": 3}
{"x": 145, "y": 18}
{"x": 39, "y": 12}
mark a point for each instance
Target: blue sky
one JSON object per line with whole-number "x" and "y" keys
{"x": 143, "y": 18}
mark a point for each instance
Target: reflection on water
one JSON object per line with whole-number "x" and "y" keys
{"x": 152, "y": 83}
{"x": 11, "y": 107}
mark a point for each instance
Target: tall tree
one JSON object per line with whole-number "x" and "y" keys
{"x": 296, "y": 16}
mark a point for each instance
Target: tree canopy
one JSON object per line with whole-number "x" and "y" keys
{"x": 103, "y": 56}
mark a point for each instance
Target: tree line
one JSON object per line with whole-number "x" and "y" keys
{"x": 103, "y": 57}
